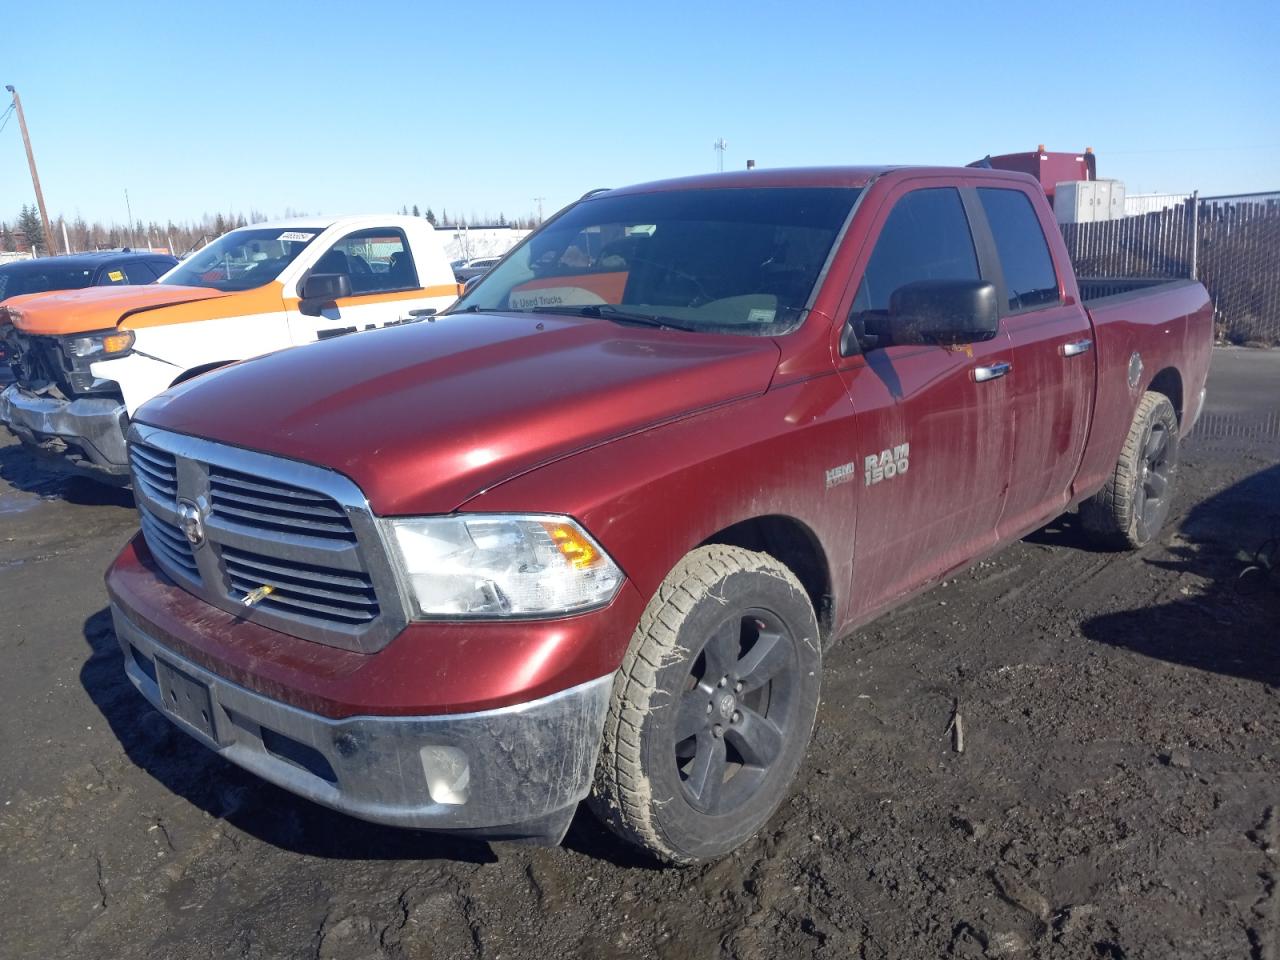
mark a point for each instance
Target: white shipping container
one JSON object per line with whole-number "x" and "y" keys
{"x": 1088, "y": 201}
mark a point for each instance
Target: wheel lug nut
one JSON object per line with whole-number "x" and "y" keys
{"x": 737, "y": 687}
{"x": 737, "y": 717}
{"x": 717, "y": 731}
{"x": 723, "y": 681}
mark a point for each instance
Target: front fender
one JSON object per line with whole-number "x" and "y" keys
{"x": 140, "y": 377}
{"x": 652, "y": 497}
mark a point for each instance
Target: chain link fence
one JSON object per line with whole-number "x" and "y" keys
{"x": 1231, "y": 244}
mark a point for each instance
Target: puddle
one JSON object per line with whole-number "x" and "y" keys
{"x": 16, "y": 503}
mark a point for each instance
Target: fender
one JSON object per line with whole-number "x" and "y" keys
{"x": 651, "y": 497}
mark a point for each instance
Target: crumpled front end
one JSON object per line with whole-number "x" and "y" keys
{"x": 89, "y": 431}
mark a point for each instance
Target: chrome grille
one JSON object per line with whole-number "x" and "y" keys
{"x": 156, "y": 470}
{"x": 305, "y": 532}
{"x": 303, "y": 589}
{"x": 169, "y": 545}
{"x": 258, "y": 503}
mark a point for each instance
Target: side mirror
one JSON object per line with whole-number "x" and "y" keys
{"x": 322, "y": 289}
{"x": 466, "y": 287}
{"x": 945, "y": 312}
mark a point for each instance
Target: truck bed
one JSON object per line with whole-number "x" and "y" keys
{"x": 1095, "y": 290}
{"x": 1126, "y": 314}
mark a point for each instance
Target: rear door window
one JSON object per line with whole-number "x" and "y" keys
{"x": 926, "y": 237}
{"x": 1029, "y": 277}
{"x": 112, "y": 275}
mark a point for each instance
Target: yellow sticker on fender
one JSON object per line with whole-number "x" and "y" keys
{"x": 115, "y": 276}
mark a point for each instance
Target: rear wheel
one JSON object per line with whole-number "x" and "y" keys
{"x": 1131, "y": 509}
{"x": 712, "y": 708}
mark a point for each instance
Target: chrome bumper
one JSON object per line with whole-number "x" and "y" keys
{"x": 93, "y": 426}
{"x": 516, "y": 772}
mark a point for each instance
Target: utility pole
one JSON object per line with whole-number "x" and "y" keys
{"x": 129, "y": 213}
{"x": 721, "y": 146}
{"x": 31, "y": 162}
{"x": 538, "y": 201}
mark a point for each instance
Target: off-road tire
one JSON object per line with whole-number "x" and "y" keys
{"x": 640, "y": 791}
{"x": 1122, "y": 515}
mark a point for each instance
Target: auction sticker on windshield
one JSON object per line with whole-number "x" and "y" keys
{"x": 296, "y": 236}
{"x": 571, "y": 291}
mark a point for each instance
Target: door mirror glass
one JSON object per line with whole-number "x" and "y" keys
{"x": 944, "y": 312}
{"x": 326, "y": 287}
{"x": 321, "y": 290}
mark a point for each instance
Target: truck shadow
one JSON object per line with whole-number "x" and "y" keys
{"x": 1219, "y": 621}
{"x": 223, "y": 790}
{"x": 26, "y": 470}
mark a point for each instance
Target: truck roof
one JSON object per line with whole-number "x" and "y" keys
{"x": 806, "y": 177}
{"x": 90, "y": 258}
{"x": 323, "y": 223}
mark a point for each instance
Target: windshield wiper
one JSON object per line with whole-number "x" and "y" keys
{"x": 607, "y": 311}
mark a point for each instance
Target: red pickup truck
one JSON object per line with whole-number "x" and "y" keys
{"x": 588, "y": 533}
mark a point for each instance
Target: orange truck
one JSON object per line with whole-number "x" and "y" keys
{"x": 85, "y": 360}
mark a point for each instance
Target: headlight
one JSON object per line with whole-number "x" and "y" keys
{"x": 501, "y": 565}
{"x": 108, "y": 344}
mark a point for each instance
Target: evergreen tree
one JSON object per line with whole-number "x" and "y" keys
{"x": 415, "y": 211}
{"x": 502, "y": 219}
{"x": 7, "y": 243}
{"x": 431, "y": 217}
{"x": 29, "y": 226}
{"x": 219, "y": 225}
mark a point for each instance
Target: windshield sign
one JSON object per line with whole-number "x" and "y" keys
{"x": 720, "y": 260}
{"x": 242, "y": 259}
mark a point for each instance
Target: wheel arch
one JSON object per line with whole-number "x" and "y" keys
{"x": 794, "y": 544}
{"x": 1169, "y": 382}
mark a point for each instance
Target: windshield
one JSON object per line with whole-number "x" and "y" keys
{"x": 242, "y": 259}
{"x": 723, "y": 260}
{"x": 28, "y": 278}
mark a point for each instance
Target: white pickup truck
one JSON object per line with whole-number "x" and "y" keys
{"x": 85, "y": 360}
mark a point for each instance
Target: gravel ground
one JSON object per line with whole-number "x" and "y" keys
{"x": 1118, "y": 794}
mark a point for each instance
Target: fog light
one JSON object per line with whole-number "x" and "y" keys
{"x": 448, "y": 774}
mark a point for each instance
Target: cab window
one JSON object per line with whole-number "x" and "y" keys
{"x": 1029, "y": 277}
{"x": 136, "y": 271}
{"x": 926, "y": 237}
{"x": 376, "y": 261}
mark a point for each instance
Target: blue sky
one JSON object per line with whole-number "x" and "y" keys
{"x": 479, "y": 108}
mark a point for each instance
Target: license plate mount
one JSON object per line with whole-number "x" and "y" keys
{"x": 187, "y": 699}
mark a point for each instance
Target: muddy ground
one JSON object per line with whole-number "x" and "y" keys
{"x": 1118, "y": 796}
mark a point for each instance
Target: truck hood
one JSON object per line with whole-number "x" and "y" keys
{"x": 95, "y": 308}
{"x": 423, "y": 417}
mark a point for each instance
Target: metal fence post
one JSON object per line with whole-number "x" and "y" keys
{"x": 1195, "y": 233}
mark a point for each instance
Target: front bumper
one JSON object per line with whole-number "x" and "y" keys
{"x": 512, "y": 772}
{"x": 91, "y": 428}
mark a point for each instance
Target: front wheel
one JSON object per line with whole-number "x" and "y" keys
{"x": 712, "y": 708}
{"x": 1130, "y": 509}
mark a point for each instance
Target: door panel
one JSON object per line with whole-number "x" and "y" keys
{"x": 1051, "y": 342}
{"x": 932, "y": 420}
{"x": 1051, "y": 401}
{"x": 944, "y": 507}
